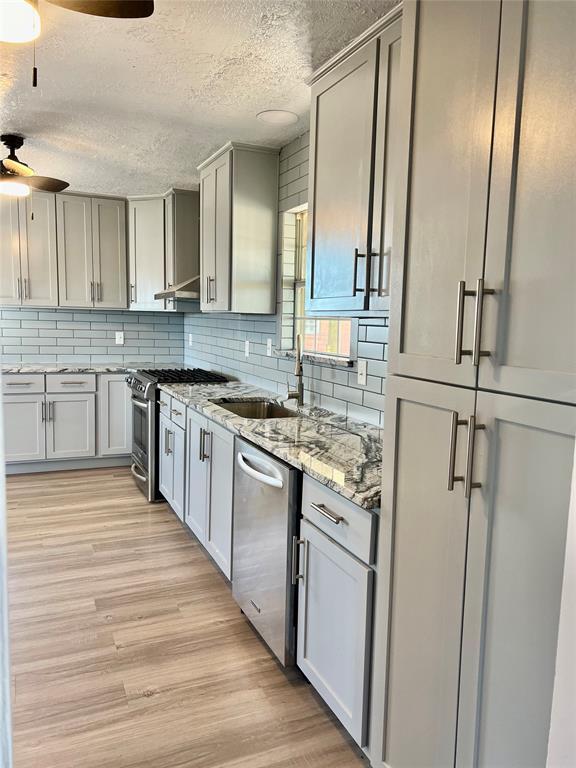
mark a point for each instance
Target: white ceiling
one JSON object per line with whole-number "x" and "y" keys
{"x": 133, "y": 106}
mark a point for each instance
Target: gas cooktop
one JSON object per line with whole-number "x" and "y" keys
{"x": 181, "y": 376}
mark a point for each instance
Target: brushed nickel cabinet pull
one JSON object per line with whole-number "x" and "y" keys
{"x": 178, "y": 413}
{"x": 462, "y": 294}
{"x": 201, "y": 445}
{"x": 132, "y": 293}
{"x": 452, "y": 478}
{"x": 26, "y": 291}
{"x": 18, "y": 288}
{"x": 18, "y": 383}
{"x": 480, "y": 293}
{"x": 296, "y": 576}
{"x": 92, "y": 291}
{"x": 357, "y": 255}
{"x": 43, "y": 404}
{"x": 323, "y": 510}
{"x": 473, "y": 427}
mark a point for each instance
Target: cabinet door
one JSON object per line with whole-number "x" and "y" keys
{"x": 146, "y": 249}
{"x": 10, "y": 278}
{"x": 74, "y": 237}
{"x": 530, "y": 322}
{"x": 219, "y": 530}
{"x": 447, "y": 81}
{"x": 179, "y": 476}
{"x": 385, "y": 171}
{"x": 109, "y": 253}
{"x": 341, "y": 130}
{"x": 216, "y": 227}
{"x": 422, "y": 552}
{"x": 38, "y": 250}
{"x": 166, "y": 477}
{"x": 114, "y": 416}
{"x": 198, "y": 475}
{"x": 71, "y": 426}
{"x": 24, "y": 427}
{"x": 334, "y": 603}
{"x": 517, "y": 541}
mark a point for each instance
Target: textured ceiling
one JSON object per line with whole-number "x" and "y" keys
{"x": 132, "y": 106}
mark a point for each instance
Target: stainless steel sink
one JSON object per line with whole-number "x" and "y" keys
{"x": 256, "y": 409}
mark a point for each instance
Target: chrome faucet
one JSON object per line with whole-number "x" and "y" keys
{"x": 298, "y": 393}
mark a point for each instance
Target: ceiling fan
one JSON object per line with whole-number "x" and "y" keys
{"x": 16, "y": 177}
{"x": 118, "y": 9}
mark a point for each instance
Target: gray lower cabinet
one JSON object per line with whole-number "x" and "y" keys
{"x": 114, "y": 415}
{"x": 354, "y": 136}
{"x": 70, "y": 426}
{"x": 172, "y": 447}
{"x": 219, "y": 521}
{"x": 476, "y": 491}
{"x": 334, "y": 620}
{"x": 24, "y": 427}
{"x": 198, "y": 474}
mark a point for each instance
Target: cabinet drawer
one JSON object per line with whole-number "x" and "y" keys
{"x": 21, "y": 383}
{"x": 165, "y": 404}
{"x": 178, "y": 412}
{"x": 71, "y": 382}
{"x": 353, "y": 527}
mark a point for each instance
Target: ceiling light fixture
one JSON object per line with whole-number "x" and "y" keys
{"x": 17, "y": 174}
{"x": 277, "y": 117}
{"x": 19, "y": 21}
{"x": 114, "y": 9}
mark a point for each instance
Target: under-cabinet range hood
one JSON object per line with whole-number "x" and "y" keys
{"x": 182, "y": 290}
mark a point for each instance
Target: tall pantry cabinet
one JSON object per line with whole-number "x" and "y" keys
{"x": 476, "y": 483}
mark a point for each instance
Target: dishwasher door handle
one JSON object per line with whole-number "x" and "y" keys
{"x": 274, "y": 481}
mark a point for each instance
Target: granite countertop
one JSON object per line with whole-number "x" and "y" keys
{"x": 85, "y": 368}
{"x": 344, "y": 455}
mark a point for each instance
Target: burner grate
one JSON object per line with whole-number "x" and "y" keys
{"x": 183, "y": 376}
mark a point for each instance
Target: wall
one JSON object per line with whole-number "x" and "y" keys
{"x": 218, "y": 339}
{"x": 87, "y": 336}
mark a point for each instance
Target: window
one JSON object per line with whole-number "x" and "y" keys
{"x": 331, "y": 336}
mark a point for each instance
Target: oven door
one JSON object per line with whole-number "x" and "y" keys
{"x": 142, "y": 446}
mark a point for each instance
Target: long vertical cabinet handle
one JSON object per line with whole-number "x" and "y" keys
{"x": 26, "y": 291}
{"x": 50, "y": 410}
{"x": 455, "y": 423}
{"x": 92, "y": 291}
{"x": 167, "y": 450}
{"x": 473, "y": 427}
{"x": 18, "y": 288}
{"x": 480, "y": 293}
{"x": 296, "y": 576}
{"x": 355, "y": 289}
{"x": 461, "y": 296}
{"x": 43, "y": 404}
{"x": 201, "y": 445}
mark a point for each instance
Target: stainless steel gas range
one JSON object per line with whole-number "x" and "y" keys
{"x": 144, "y": 385}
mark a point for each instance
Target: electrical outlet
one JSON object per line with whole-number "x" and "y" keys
{"x": 247, "y": 348}
{"x": 119, "y": 337}
{"x": 189, "y": 339}
{"x": 362, "y": 372}
{"x": 269, "y": 347}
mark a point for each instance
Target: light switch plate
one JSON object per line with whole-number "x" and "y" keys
{"x": 119, "y": 337}
{"x": 269, "y": 347}
{"x": 189, "y": 339}
{"x": 362, "y": 372}
{"x": 247, "y": 348}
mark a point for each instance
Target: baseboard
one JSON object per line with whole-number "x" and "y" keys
{"x": 29, "y": 467}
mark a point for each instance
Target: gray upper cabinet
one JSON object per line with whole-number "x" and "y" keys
{"x": 146, "y": 252}
{"x": 91, "y": 252}
{"x": 74, "y": 227}
{"x": 354, "y": 134}
{"x": 238, "y": 223}
{"x": 515, "y": 564}
{"x": 109, "y": 253}
{"x": 529, "y": 323}
{"x": 39, "y": 261}
{"x": 29, "y": 273}
{"x": 163, "y": 246}
{"x": 10, "y": 278}
{"x": 447, "y": 80}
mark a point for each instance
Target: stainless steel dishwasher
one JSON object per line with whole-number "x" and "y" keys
{"x": 266, "y": 500}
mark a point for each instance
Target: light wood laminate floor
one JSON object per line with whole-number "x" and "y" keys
{"x": 128, "y": 650}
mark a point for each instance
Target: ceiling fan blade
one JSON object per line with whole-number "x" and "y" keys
{"x": 118, "y": 9}
{"x": 17, "y": 168}
{"x": 45, "y": 183}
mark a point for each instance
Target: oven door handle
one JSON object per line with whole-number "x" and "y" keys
{"x": 138, "y": 404}
{"x": 137, "y": 475}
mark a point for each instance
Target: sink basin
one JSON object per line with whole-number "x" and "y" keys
{"x": 257, "y": 409}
